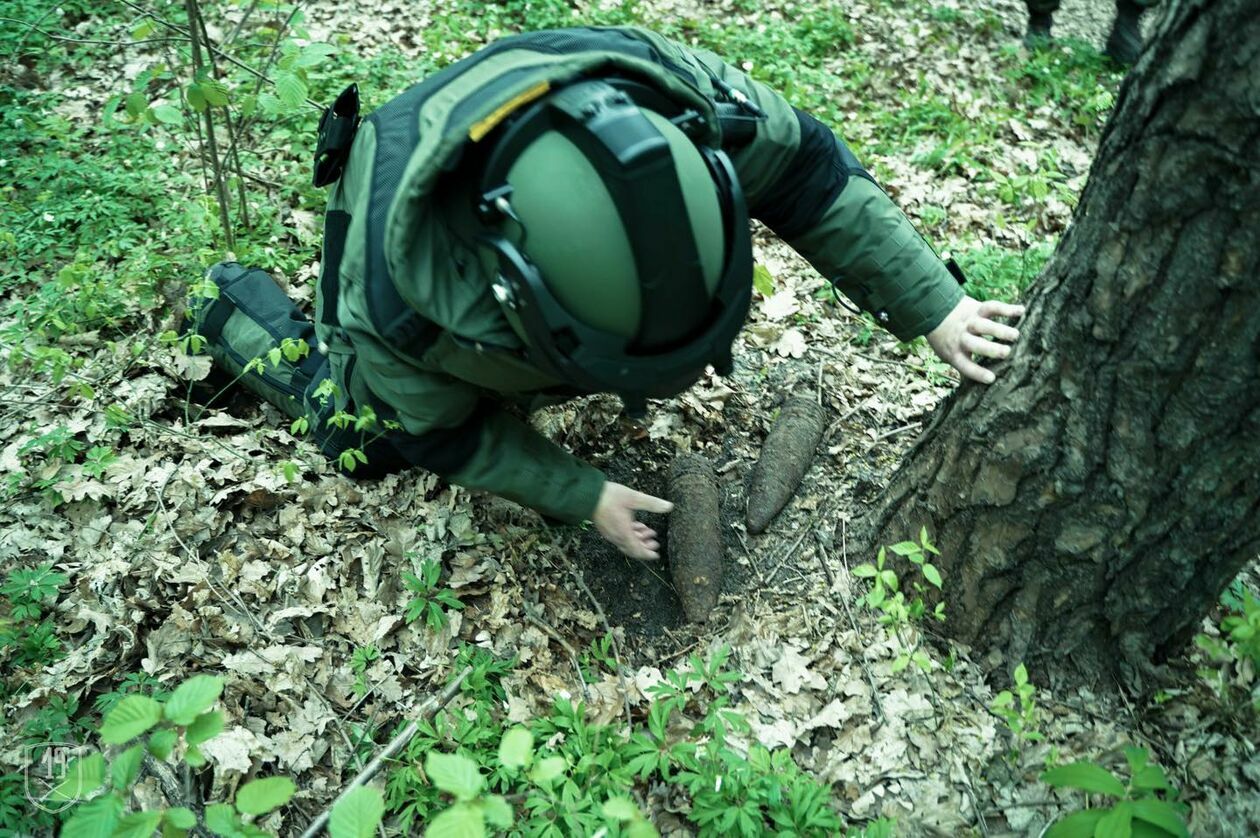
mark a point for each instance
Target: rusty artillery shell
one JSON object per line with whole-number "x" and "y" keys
{"x": 785, "y": 457}
{"x": 695, "y": 535}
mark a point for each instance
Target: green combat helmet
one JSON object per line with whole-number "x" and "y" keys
{"x": 621, "y": 244}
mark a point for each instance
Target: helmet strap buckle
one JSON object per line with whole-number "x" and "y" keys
{"x": 494, "y": 206}
{"x": 503, "y": 292}
{"x": 691, "y": 123}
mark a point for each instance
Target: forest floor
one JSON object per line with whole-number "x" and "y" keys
{"x": 187, "y": 549}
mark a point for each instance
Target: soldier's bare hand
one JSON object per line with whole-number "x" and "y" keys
{"x": 614, "y": 518}
{"x": 964, "y": 332}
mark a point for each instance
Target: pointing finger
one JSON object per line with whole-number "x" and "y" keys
{"x": 647, "y": 503}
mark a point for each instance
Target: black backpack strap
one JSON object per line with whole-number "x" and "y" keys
{"x": 336, "y": 226}
{"x": 336, "y": 132}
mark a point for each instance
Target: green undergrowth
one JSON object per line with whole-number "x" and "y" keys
{"x": 467, "y": 771}
{"x": 102, "y": 211}
{"x": 582, "y": 777}
{"x": 1001, "y": 273}
{"x": 105, "y": 215}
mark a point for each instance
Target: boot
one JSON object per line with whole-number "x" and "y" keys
{"x": 1124, "y": 44}
{"x": 1038, "y": 33}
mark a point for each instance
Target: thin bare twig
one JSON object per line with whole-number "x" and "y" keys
{"x": 791, "y": 551}
{"x": 220, "y": 184}
{"x": 173, "y": 27}
{"x": 35, "y": 28}
{"x": 17, "y": 51}
{"x": 232, "y": 154}
{"x": 910, "y": 650}
{"x": 265, "y": 632}
{"x": 170, "y": 785}
{"x": 396, "y": 744}
{"x": 677, "y": 653}
{"x": 751, "y": 559}
{"x": 822, "y": 560}
{"x": 256, "y": 179}
{"x": 893, "y": 361}
{"x": 167, "y": 429}
{"x": 564, "y": 644}
{"x": 275, "y": 46}
{"x": 281, "y": 28}
{"x": 844, "y": 599}
{"x": 1024, "y": 804}
{"x": 971, "y": 793}
{"x": 599, "y": 610}
{"x": 886, "y": 434}
{"x": 241, "y": 24}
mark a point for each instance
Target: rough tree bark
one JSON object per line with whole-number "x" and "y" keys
{"x": 1093, "y": 503}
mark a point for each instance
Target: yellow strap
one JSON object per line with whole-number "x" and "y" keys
{"x": 485, "y": 126}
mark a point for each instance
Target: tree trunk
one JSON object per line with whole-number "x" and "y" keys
{"x": 1093, "y": 503}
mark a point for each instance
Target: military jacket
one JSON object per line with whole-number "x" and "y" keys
{"x": 404, "y": 308}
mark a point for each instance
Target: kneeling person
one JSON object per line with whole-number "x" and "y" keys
{"x": 563, "y": 213}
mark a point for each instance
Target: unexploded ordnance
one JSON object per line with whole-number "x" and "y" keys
{"x": 785, "y": 457}
{"x": 695, "y": 535}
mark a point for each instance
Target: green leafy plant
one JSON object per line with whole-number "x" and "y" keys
{"x": 28, "y": 590}
{"x": 460, "y": 777}
{"x": 97, "y": 460}
{"x": 1018, "y": 708}
{"x": 26, "y": 638}
{"x": 1243, "y": 628}
{"x": 290, "y": 350}
{"x": 359, "y": 660}
{"x": 598, "y": 655}
{"x": 363, "y": 422}
{"x": 887, "y": 595}
{"x": 357, "y": 814}
{"x": 749, "y": 797}
{"x": 17, "y": 816}
{"x": 430, "y": 601}
{"x": 581, "y": 780}
{"x": 139, "y": 727}
{"x": 1144, "y": 805}
{"x": 1070, "y": 75}
{"x": 1034, "y": 184}
{"x": 763, "y": 280}
{"x": 56, "y": 444}
{"x": 133, "y": 682}
{"x": 1002, "y": 273}
{"x": 1234, "y": 653}
{"x": 56, "y": 721}
{"x": 878, "y": 828}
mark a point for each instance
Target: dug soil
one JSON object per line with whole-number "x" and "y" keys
{"x": 640, "y": 596}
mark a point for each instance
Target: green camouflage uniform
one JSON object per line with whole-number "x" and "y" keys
{"x": 404, "y": 315}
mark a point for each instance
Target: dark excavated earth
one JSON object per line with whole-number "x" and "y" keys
{"x": 640, "y": 596}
